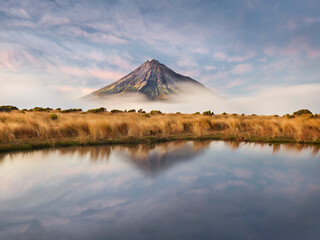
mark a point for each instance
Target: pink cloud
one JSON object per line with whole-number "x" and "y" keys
{"x": 310, "y": 20}
{"x": 235, "y": 83}
{"x": 105, "y": 74}
{"x": 224, "y": 57}
{"x": 188, "y": 63}
{"x": 53, "y": 20}
{"x": 12, "y": 60}
{"x": 210, "y": 68}
{"x": 241, "y": 68}
{"x": 220, "y": 56}
{"x": 86, "y": 90}
{"x": 97, "y": 73}
{"x": 73, "y": 71}
{"x": 295, "y": 48}
{"x": 5, "y": 60}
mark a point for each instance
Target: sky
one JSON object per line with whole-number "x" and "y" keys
{"x": 53, "y": 49}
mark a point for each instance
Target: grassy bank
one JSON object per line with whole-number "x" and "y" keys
{"x": 34, "y": 129}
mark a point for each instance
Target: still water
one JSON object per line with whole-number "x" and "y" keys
{"x": 177, "y": 190}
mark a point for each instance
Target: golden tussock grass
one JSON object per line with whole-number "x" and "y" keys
{"x": 19, "y": 128}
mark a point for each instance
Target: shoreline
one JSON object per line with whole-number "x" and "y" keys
{"x": 35, "y": 145}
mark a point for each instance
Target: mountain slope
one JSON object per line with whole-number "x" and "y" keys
{"x": 152, "y": 79}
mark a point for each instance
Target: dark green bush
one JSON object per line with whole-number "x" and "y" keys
{"x": 289, "y": 116}
{"x": 8, "y": 108}
{"x": 224, "y": 113}
{"x": 155, "y": 112}
{"x": 72, "y": 110}
{"x": 302, "y": 111}
{"x": 115, "y": 111}
{"x": 97, "y": 110}
{"x": 208, "y": 113}
{"x": 40, "y": 109}
{"x": 53, "y": 116}
{"x": 178, "y": 112}
{"x": 132, "y": 110}
{"x": 196, "y": 113}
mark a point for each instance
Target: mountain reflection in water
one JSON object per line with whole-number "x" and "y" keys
{"x": 175, "y": 190}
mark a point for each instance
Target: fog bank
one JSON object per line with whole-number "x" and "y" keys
{"x": 267, "y": 101}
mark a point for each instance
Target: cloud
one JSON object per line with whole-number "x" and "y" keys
{"x": 210, "y": 68}
{"x": 98, "y": 37}
{"x": 48, "y": 20}
{"x": 212, "y": 42}
{"x": 231, "y": 59}
{"x": 87, "y": 72}
{"x": 241, "y": 68}
{"x": 188, "y": 63}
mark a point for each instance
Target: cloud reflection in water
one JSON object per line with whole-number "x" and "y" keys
{"x": 189, "y": 190}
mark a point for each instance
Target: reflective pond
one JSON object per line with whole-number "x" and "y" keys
{"x": 176, "y": 190}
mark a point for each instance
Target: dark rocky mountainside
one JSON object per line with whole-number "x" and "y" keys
{"x": 152, "y": 79}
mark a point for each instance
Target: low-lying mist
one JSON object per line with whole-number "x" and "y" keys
{"x": 273, "y": 100}
{"x": 267, "y": 101}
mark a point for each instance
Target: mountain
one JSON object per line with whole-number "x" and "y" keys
{"x": 153, "y": 79}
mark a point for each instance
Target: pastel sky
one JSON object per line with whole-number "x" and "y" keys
{"x": 235, "y": 47}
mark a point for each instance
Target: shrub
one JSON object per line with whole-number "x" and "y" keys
{"x": 53, "y": 116}
{"x": 302, "y": 111}
{"x": 97, "y": 110}
{"x": 208, "y": 113}
{"x": 72, "y": 110}
{"x": 224, "y": 113}
{"x": 155, "y": 112}
{"x": 140, "y": 110}
{"x": 242, "y": 115}
{"x": 147, "y": 115}
{"x": 151, "y": 132}
{"x": 115, "y": 111}
{"x": 178, "y": 112}
{"x": 40, "y": 109}
{"x": 58, "y": 109}
{"x": 196, "y": 113}
{"x": 8, "y": 108}
{"x": 132, "y": 110}
{"x": 289, "y": 116}
{"x": 234, "y": 114}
